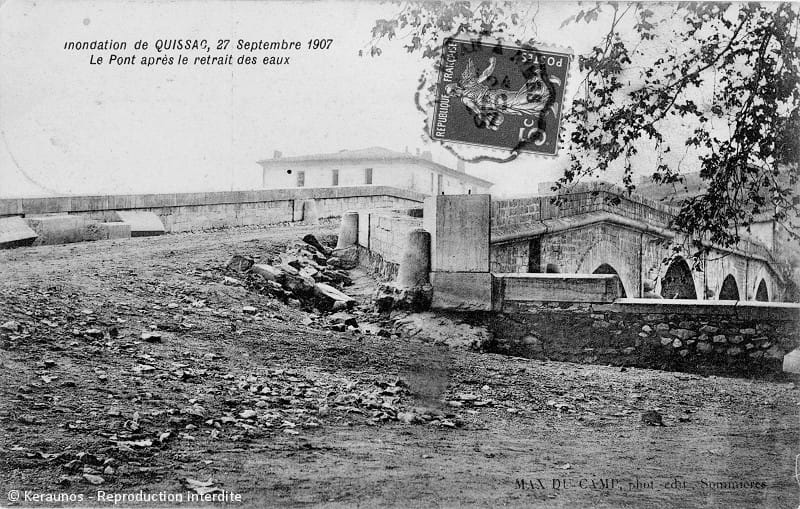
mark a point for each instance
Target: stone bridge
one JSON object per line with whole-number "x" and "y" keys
{"x": 595, "y": 230}
{"x": 597, "y": 273}
{"x": 599, "y": 229}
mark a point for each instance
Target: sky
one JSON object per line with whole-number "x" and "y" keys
{"x": 72, "y": 128}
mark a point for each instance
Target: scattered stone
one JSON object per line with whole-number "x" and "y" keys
{"x": 629, "y": 350}
{"x": 312, "y": 241}
{"x": 736, "y": 340}
{"x": 652, "y": 418}
{"x": 268, "y": 272}
{"x": 677, "y": 343}
{"x": 239, "y": 263}
{"x": 248, "y": 414}
{"x": 647, "y": 328}
{"x": 94, "y": 479}
{"x": 151, "y": 336}
{"x": 666, "y": 341}
{"x": 407, "y": 417}
{"x": 708, "y": 329}
{"x": 748, "y": 332}
{"x": 339, "y": 305}
{"x": 249, "y": 310}
{"x": 11, "y": 326}
{"x": 704, "y": 347}
{"x": 343, "y": 318}
{"x": 327, "y": 295}
{"x": 719, "y": 338}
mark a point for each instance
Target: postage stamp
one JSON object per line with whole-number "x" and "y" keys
{"x": 501, "y": 96}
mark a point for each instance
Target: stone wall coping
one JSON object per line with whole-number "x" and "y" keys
{"x": 712, "y": 303}
{"x": 550, "y": 275}
{"x": 74, "y": 204}
{"x": 740, "y": 309}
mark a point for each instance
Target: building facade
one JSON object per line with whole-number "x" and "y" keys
{"x": 372, "y": 166}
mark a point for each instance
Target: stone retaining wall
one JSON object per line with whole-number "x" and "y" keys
{"x": 743, "y": 339}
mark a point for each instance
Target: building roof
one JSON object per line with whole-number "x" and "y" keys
{"x": 374, "y": 154}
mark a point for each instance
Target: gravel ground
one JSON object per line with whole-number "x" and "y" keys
{"x": 272, "y": 408}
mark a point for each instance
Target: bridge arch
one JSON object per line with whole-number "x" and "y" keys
{"x": 762, "y": 292}
{"x": 678, "y": 281}
{"x": 606, "y": 257}
{"x": 729, "y": 289}
{"x": 605, "y": 268}
{"x": 761, "y": 285}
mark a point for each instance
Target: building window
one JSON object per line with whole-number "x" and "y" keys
{"x": 301, "y": 178}
{"x": 335, "y": 179}
{"x": 368, "y": 175}
{"x": 431, "y": 182}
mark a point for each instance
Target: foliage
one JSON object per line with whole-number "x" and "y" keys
{"x": 719, "y": 81}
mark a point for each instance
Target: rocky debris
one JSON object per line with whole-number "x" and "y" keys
{"x": 304, "y": 275}
{"x": 345, "y": 319}
{"x": 391, "y": 296}
{"x": 346, "y": 258}
{"x": 269, "y": 272}
{"x": 313, "y": 242}
{"x": 239, "y": 263}
{"x": 329, "y": 298}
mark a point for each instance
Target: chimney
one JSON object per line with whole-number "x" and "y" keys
{"x": 277, "y": 154}
{"x": 461, "y": 166}
{"x": 427, "y": 155}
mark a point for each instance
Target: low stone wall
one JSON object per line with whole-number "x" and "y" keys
{"x": 84, "y": 204}
{"x": 388, "y": 234}
{"x": 384, "y": 232}
{"x": 200, "y": 211}
{"x": 510, "y": 290}
{"x": 740, "y": 339}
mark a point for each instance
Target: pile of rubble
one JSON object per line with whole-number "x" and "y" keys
{"x": 308, "y": 274}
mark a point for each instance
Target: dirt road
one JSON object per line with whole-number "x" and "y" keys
{"x": 265, "y": 407}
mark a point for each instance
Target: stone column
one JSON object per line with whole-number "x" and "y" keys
{"x": 415, "y": 263}
{"x": 348, "y": 230}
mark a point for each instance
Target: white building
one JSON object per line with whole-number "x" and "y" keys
{"x": 369, "y": 166}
